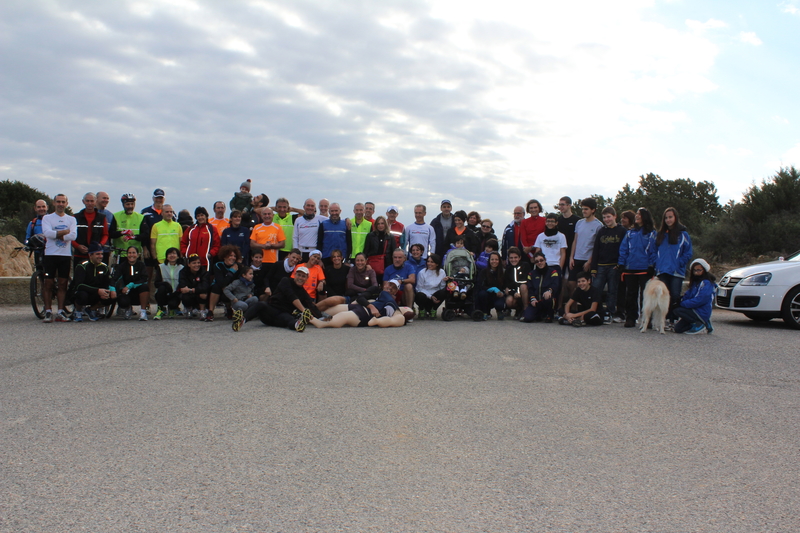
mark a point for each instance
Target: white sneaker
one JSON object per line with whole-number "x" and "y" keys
{"x": 48, "y": 316}
{"x": 143, "y": 315}
{"x": 127, "y": 314}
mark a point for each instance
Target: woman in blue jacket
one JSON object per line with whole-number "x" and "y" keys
{"x": 673, "y": 252}
{"x": 694, "y": 311}
{"x": 636, "y": 257}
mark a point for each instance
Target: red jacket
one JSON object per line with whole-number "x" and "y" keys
{"x": 531, "y": 228}
{"x": 201, "y": 240}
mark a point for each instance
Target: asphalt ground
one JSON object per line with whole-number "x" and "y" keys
{"x": 180, "y": 425}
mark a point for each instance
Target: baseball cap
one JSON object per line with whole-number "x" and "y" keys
{"x": 396, "y": 282}
{"x": 446, "y": 202}
{"x": 159, "y": 193}
{"x": 393, "y": 208}
{"x": 303, "y": 270}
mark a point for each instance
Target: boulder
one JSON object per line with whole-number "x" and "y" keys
{"x": 21, "y": 265}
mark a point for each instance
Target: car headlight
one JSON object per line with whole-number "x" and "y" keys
{"x": 757, "y": 279}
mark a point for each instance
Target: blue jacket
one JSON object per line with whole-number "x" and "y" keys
{"x": 638, "y": 251}
{"x": 700, "y": 297}
{"x": 540, "y": 282}
{"x": 672, "y": 259}
{"x": 508, "y": 240}
{"x": 332, "y": 237}
{"x": 239, "y": 237}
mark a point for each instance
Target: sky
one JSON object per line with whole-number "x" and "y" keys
{"x": 487, "y": 104}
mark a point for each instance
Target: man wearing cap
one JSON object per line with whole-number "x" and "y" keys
{"x": 333, "y": 235}
{"x": 59, "y": 230}
{"x": 306, "y": 229}
{"x": 289, "y": 307}
{"x": 441, "y": 224}
{"x": 219, "y": 221}
{"x": 91, "y": 284}
{"x": 315, "y": 282}
{"x": 400, "y": 270}
{"x": 396, "y": 228}
{"x": 421, "y": 233}
{"x": 153, "y": 215}
{"x": 129, "y": 227}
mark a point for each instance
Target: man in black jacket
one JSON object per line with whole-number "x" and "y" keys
{"x": 91, "y": 284}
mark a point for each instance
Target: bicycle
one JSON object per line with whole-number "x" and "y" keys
{"x": 35, "y": 247}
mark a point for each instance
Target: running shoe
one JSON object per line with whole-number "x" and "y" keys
{"x": 697, "y": 328}
{"x": 48, "y": 316}
{"x": 159, "y": 314}
{"x": 143, "y": 316}
{"x": 92, "y": 315}
{"x": 128, "y": 313}
{"x": 77, "y": 317}
{"x": 578, "y": 323}
{"x": 433, "y": 314}
{"x": 61, "y": 316}
{"x": 238, "y": 320}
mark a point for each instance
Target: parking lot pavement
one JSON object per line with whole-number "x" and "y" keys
{"x": 493, "y": 426}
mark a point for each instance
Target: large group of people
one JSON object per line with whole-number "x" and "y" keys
{"x": 293, "y": 267}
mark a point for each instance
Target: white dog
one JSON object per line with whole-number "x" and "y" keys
{"x": 655, "y": 305}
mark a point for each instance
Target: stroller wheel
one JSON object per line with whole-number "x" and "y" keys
{"x": 477, "y": 315}
{"x": 448, "y": 315}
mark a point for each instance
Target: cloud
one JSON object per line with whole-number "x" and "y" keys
{"x": 710, "y": 24}
{"x": 790, "y": 6}
{"x": 399, "y": 102}
{"x": 782, "y": 120}
{"x": 750, "y": 37}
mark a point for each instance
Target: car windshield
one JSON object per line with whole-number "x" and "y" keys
{"x": 794, "y": 257}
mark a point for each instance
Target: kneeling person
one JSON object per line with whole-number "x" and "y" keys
{"x": 585, "y": 301}
{"x": 91, "y": 284}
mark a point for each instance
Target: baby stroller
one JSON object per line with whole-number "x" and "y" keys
{"x": 460, "y": 266}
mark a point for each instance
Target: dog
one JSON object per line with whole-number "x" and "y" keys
{"x": 655, "y": 305}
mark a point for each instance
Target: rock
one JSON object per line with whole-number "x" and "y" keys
{"x": 21, "y": 265}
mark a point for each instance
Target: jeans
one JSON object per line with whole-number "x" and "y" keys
{"x": 608, "y": 274}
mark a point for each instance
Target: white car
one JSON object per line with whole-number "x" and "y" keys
{"x": 764, "y": 291}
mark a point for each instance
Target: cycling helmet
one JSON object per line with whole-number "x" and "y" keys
{"x": 127, "y": 197}
{"x": 36, "y": 242}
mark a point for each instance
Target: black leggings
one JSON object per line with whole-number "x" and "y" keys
{"x": 635, "y": 280}
{"x": 125, "y": 301}
{"x": 165, "y": 296}
{"x": 426, "y": 304}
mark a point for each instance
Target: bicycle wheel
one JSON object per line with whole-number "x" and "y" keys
{"x": 37, "y": 293}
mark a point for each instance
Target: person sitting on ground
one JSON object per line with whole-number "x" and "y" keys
{"x": 92, "y": 285}
{"x": 289, "y": 307}
{"x": 132, "y": 285}
{"x": 582, "y": 307}
{"x": 404, "y": 272}
{"x": 694, "y": 310}
{"x": 360, "y": 278}
{"x": 336, "y": 274}
{"x": 241, "y": 291}
{"x": 544, "y": 286}
{"x": 260, "y": 276}
{"x": 430, "y": 288}
{"x": 167, "y": 280}
{"x": 193, "y": 287}
{"x": 490, "y": 285}
{"x": 315, "y": 284}
{"x": 514, "y": 284}
{"x": 284, "y": 268}
{"x": 225, "y": 271}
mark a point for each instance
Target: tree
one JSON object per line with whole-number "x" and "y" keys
{"x": 16, "y": 207}
{"x": 764, "y": 223}
{"x": 697, "y": 203}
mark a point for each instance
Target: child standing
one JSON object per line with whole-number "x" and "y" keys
{"x": 585, "y": 232}
{"x": 605, "y": 258}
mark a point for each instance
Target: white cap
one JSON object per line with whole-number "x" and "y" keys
{"x": 304, "y": 270}
{"x": 393, "y": 208}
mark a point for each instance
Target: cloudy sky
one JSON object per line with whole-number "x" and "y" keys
{"x": 399, "y": 102}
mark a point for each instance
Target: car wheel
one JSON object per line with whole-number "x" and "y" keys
{"x": 791, "y": 308}
{"x": 757, "y": 317}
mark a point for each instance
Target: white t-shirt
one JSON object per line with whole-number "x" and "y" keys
{"x": 551, "y": 247}
{"x": 53, "y": 223}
